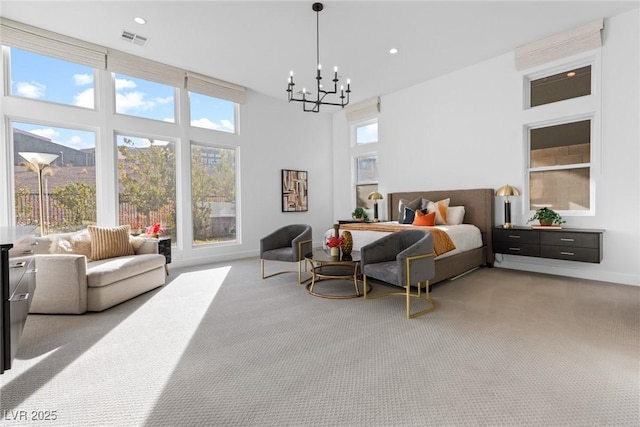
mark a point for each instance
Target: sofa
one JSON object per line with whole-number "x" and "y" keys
{"x": 86, "y": 271}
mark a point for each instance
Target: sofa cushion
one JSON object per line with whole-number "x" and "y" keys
{"x": 107, "y": 271}
{"x": 109, "y": 242}
{"x": 78, "y": 243}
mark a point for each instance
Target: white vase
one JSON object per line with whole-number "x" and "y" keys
{"x": 335, "y": 251}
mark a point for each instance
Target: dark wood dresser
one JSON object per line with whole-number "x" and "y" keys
{"x": 571, "y": 244}
{"x": 18, "y": 281}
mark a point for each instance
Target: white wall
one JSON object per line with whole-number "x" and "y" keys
{"x": 464, "y": 130}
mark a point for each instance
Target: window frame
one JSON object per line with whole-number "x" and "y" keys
{"x": 564, "y": 111}
{"x": 360, "y": 124}
{"x": 8, "y": 83}
{"x": 560, "y": 67}
{"x": 106, "y": 124}
{"x": 238, "y": 224}
{"x": 589, "y": 165}
{"x": 236, "y": 109}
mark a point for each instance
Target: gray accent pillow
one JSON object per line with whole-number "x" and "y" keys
{"x": 413, "y": 205}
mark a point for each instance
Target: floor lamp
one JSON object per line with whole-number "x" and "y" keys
{"x": 375, "y": 196}
{"x": 505, "y": 192}
{"x": 39, "y": 161}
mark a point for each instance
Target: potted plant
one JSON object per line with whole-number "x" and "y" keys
{"x": 359, "y": 214}
{"x": 547, "y": 216}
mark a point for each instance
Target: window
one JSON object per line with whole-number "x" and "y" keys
{"x": 212, "y": 113}
{"x": 144, "y": 177}
{"x": 367, "y": 169}
{"x": 571, "y": 83}
{"x": 32, "y": 77}
{"x": 144, "y": 98}
{"x": 147, "y": 183}
{"x": 560, "y": 165}
{"x": 68, "y": 183}
{"x": 213, "y": 194}
{"x": 366, "y": 132}
{"x": 366, "y": 180}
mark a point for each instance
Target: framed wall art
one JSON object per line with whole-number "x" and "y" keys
{"x": 295, "y": 188}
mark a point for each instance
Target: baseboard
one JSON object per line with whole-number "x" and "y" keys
{"x": 575, "y": 269}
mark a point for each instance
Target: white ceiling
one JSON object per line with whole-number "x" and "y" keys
{"x": 256, "y": 44}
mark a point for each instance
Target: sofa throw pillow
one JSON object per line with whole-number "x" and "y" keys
{"x": 75, "y": 244}
{"x": 403, "y": 203}
{"x": 137, "y": 242}
{"x": 425, "y": 219}
{"x": 409, "y": 215}
{"x": 440, "y": 208}
{"x": 109, "y": 242}
{"x": 455, "y": 215}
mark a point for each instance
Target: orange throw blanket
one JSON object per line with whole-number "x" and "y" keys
{"x": 442, "y": 243}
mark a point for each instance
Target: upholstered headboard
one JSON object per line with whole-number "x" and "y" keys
{"x": 478, "y": 205}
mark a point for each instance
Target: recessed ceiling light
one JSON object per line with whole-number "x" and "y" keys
{"x": 393, "y": 50}
{"x": 571, "y": 74}
{"x": 140, "y": 20}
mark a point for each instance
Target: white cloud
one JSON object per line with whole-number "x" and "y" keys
{"x": 47, "y": 133}
{"x": 132, "y": 101}
{"x": 227, "y": 125}
{"x": 204, "y": 123}
{"x": 166, "y": 100}
{"x": 124, "y": 84}
{"x": 30, "y": 89}
{"x": 77, "y": 142}
{"x": 82, "y": 79}
{"x": 224, "y": 125}
{"x": 84, "y": 99}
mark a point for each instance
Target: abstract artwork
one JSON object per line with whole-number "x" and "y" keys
{"x": 294, "y": 191}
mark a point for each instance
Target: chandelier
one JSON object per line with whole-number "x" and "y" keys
{"x": 308, "y": 103}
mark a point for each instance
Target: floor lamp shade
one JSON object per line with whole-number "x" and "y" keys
{"x": 39, "y": 161}
{"x": 375, "y": 196}
{"x": 505, "y": 192}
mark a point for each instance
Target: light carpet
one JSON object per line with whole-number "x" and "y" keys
{"x": 218, "y": 346}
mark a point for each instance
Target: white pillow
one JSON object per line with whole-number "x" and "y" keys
{"x": 455, "y": 215}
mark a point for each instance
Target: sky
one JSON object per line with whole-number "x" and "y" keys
{"x": 48, "y": 79}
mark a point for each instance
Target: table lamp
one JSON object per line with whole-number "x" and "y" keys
{"x": 507, "y": 191}
{"x": 375, "y": 196}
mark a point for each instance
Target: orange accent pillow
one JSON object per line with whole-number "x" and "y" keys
{"x": 428, "y": 219}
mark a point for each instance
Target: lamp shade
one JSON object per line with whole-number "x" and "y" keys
{"x": 507, "y": 191}
{"x": 38, "y": 158}
{"x": 374, "y": 196}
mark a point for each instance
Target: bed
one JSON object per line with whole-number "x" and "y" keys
{"x": 479, "y": 216}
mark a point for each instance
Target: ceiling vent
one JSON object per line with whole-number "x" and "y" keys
{"x": 130, "y": 37}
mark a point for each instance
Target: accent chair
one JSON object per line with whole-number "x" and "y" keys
{"x": 403, "y": 259}
{"x": 290, "y": 243}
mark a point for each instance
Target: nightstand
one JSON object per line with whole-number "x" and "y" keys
{"x": 571, "y": 244}
{"x": 164, "y": 248}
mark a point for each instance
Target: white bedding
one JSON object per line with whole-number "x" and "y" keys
{"x": 464, "y": 236}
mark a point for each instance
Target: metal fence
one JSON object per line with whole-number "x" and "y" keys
{"x": 59, "y": 219}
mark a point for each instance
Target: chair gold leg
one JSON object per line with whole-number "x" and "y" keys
{"x": 432, "y": 303}
{"x": 300, "y": 281}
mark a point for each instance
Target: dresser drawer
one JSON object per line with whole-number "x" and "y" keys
{"x": 570, "y": 253}
{"x": 516, "y": 236}
{"x": 516, "y": 248}
{"x": 18, "y": 267}
{"x": 25, "y": 246}
{"x": 581, "y": 240}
